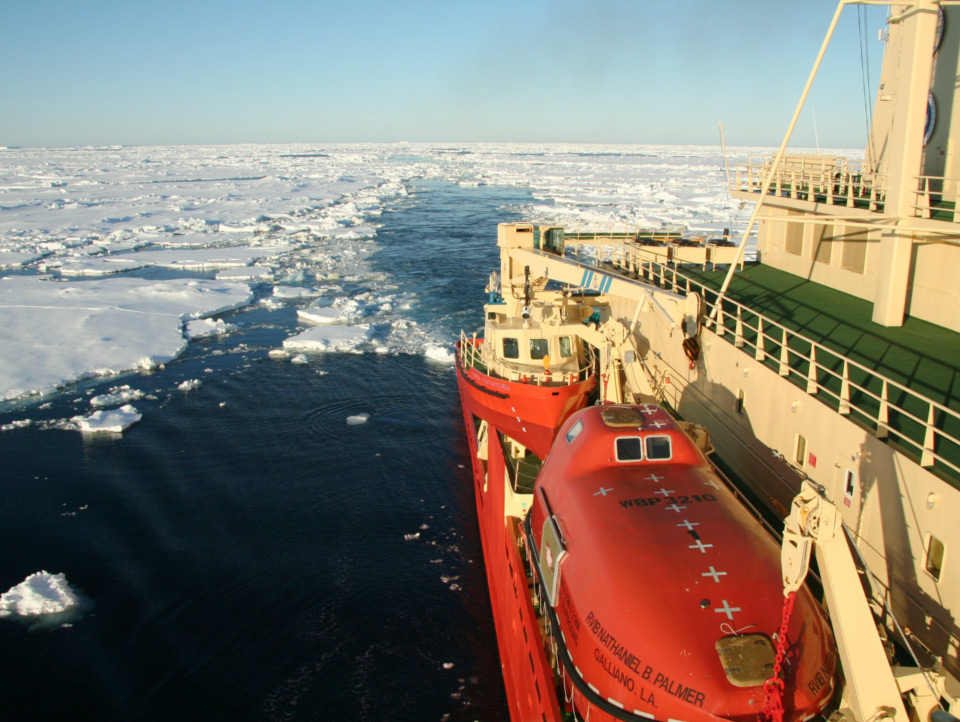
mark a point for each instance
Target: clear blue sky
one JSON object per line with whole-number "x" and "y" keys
{"x": 620, "y": 71}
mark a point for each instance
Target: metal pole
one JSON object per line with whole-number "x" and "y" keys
{"x": 726, "y": 163}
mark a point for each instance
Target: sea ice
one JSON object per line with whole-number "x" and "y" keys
{"x": 204, "y": 327}
{"x": 114, "y": 421}
{"x": 256, "y": 273}
{"x": 202, "y": 259}
{"x": 39, "y": 594}
{"x": 324, "y": 315}
{"x": 117, "y": 395}
{"x": 99, "y": 266}
{"x": 189, "y": 385}
{"x": 108, "y": 325}
{"x": 441, "y": 354}
{"x": 329, "y": 338}
{"x": 292, "y": 292}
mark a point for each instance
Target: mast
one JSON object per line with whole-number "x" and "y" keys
{"x": 913, "y": 39}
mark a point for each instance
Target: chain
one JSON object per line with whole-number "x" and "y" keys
{"x": 773, "y": 688}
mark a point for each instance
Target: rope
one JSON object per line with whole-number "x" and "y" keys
{"x": 773, "y": 688}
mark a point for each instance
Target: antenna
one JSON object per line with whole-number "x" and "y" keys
{"x": 816, "y": 135}
{"x": 723, "y": 147}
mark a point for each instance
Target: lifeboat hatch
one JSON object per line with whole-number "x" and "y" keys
{"x": 552, "y": 552}
{"x": 622, "y": 416}
{"x": 747, "y": 660}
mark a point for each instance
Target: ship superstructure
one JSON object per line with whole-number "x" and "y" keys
{"x": 820, "y": 383}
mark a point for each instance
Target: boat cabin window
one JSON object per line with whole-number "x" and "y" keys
{"x": 538, "y": 348}
{"x": 801, "y": 450}
{"x": 658, "y": 448}
{"x": 566, "y": 347}
{"x": 511, "y": 348}
{"x": 574, "y": 431}
{"x": 629, "y": 448}
{"x": 934, "y": 563}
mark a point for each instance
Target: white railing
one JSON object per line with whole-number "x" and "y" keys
{"x": 937, "y": 197}
{"x": 823, "y": 179}
{"x": 924, "y": 427}
{"x": 475, "y": 354}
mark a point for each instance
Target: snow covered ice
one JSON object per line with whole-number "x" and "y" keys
{"x": 85, "y": 234}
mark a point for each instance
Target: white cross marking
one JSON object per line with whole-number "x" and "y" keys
{"x": 647, "y": 409}
{"x": 655, "y": 479}
{"x": 602, "y": 492}
{"x": 689, "y": 524}
{"x": 674, "y": 507}
{"x": 701, "y": 546}
{"x": 657, "y": 424}
{"x": 664, "y": 492}
{"x": 714, "y": 573}
{"x": 712, "y": 483}
{"x": 727, "y": 609}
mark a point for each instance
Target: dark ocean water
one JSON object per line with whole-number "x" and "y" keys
{"x": 242, "y": 547}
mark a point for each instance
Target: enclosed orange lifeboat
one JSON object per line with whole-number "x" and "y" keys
{"x": 664, "y": 592}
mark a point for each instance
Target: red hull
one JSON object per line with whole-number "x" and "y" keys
{"x": 531, "y": 415}
{"x": 526, "y": 412}
{"x": 527, "y": 676}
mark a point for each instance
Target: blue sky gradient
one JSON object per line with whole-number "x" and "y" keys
{"x": 607, "y": 71}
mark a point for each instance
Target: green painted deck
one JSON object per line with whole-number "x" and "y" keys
{"x": 921, "y": 356}
{"x": 918, "y": 354}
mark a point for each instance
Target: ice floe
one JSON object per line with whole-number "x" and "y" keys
{"x": 116, "y": 396}
{"x": 39, "y": 594}
{"x": 204, "y": 327}
{"x": 329, "y": 338}
{"x": 113, "y": 421}
{"x": 440, "y": 354}
{"x": 324, "y": 315}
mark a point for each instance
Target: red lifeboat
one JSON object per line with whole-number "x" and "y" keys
{"x": 665, "y": 590}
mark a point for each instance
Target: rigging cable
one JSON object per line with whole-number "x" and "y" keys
{"x": 865, "y": 82}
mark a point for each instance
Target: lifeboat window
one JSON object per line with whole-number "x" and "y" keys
{"x": 538, "y": 348}
{"x": 566, "y": 348}
{"x": 659, "y": 447}
{"x": 629, "y": 448}
{"x": 574, "y": 431}
{"x": 511, "y": 348}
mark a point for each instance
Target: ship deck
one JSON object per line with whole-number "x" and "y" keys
{"x": 902, "y": 382}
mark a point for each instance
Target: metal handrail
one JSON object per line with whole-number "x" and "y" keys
{"x": 769, "y": 330}
{"x": 944, "y": 188}
{"x": 472, "y": 355}
{"x": 839, "y": 183}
